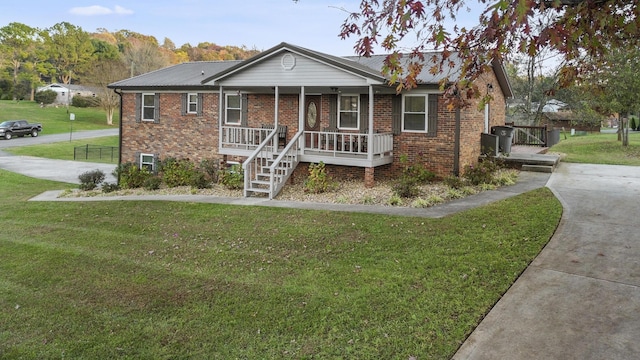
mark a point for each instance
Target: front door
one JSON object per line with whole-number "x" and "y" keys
{"x": 312, "y": 120}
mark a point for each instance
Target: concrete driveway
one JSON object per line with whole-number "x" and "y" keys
{"x": 57, "y": 170}
{"x": 579, "y": 299}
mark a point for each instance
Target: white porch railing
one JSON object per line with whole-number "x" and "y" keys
{"x": 348, "y": 144}
{"x": 265, "y": 171}
{"x": 243, "y": 138}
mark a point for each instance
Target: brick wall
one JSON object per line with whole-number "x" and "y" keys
{"x": 180, "y": 136}
{"x": 196, "y": 137}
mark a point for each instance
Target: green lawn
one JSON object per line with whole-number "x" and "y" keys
{"x": 55, "y": 120}
{"x": 65, "y": 150}
{"x": 153, "y": 280}
{"x": 599, "y": 149}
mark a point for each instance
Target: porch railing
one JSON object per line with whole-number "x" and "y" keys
{"x": 284, "y": 165}
{"x": 243, "y": 137}
{"x": 337, "y": 143}
{"x": 258, "y": 160}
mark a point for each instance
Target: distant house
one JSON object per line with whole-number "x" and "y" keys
{"x": 288, "y": 107}
{"x": 568, "y": 120}
{"x": 66, "y": 92}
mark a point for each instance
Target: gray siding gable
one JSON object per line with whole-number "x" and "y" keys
{"x": 292, "y": 69}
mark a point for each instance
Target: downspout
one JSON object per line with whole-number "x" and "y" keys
{"x": 456, "y": 144}
{"x": 370, "y": 132}
{"x": 119, "y": 140}
{"x": 220, "y": 112}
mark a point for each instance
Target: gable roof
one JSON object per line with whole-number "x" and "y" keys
{"x": 335, "y": 61}
{"x": 196, "y": 75}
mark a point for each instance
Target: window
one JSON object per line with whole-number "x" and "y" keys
{"x": 147, "y": 161}
{"x": 233, "y": 108}
{"x": 192, "y": 103}
{"x": 415, "y": 113}
{"x": 348, "y": 113}
{"x": 148, "y": 107}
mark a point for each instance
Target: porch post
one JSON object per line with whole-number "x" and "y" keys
{"x": 220, "y": 112}
{"x": 370, "y": 132}
{"x": 277, "y": 97}
{"x": 301, "y": 115}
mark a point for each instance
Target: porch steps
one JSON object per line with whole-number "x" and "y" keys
{"x": 532, "y": 162}
{"x": 261, "y": 184}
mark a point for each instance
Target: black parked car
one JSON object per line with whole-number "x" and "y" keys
{"x": 20, "y": 128}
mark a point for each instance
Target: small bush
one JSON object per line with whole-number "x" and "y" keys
{"x": 45, "y": 97}
{"x": 110, "y": 187}
{"x": 199, "y": 180}
{"x": 481, "y": 173}
{"x": 210, "y": 167}
{"x": 131, "y": 176}
{"x": 91, "y": 179}
{"x": 152, "y": 183}
{"x": 232, "y": 178}
{"x": 177, "y": 172}
{"x": 406, "y": 187}
{"x": 85, "y": 101}
{"x": 318, "y": 180}
{"x": 454, "y": 182}
{"x": 395, "y": 200}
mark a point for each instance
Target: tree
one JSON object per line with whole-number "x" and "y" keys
{"x": 577, "y": 28}
{"x": 69, "y": 49}
{"x": 17, "y": 42}
{"x": 614, "y": 88}
{"x": 108, "y": 67}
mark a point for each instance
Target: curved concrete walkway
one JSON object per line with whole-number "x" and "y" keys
{"x": 580, "y": 298}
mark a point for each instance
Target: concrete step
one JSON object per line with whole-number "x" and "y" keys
{"x": 538, "y": 168}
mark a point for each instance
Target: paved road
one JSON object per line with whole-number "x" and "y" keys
{"x": 57, "y": 170}
{"x": 580, "y": 298}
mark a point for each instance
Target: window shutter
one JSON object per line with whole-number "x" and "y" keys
{"x": 156, "y": 110}
{"x": 156, "y": 163}
{"x": 432, "y": 115}
{"x": 364, "y": 113}
{"x": 137, "y": 160}
{"x": 396, "y": 114}
{"x": 333, "y": 112}
{"x": 138, "y": 107}
{"x": 184, "y": 103}
{"x": 200, "y": 105}
{"x": 244, "y": 111}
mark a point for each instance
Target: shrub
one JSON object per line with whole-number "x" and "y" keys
{"x": 110, "y": 187}
{"x": 199, "y": 180}
{"x": 232, "y": 178}
{"x": 318, "y": 180}
{"x": 85, "y": 101}
{"x": 406, "y": 187}
{"x": 45, "y": 97}
{"x": 131, "y": 176}
{"x": 210, "y": 167}
{"x": 481, "y": 173}
{"x": 91, "y": 179}
{"x": 152, "y": 183}
{"x": 454, "y": 182}
{"x": 177, "y": 172}
{"x": 413, "y": 175}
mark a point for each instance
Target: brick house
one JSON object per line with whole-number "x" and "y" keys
{"x": 288, "y": 107}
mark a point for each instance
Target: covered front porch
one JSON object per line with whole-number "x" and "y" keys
{"x": 330, "y": 147}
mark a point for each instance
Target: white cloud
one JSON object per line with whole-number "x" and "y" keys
{"x": 99, "y": 10}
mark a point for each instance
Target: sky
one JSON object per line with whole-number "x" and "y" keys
{"x": 259, "y": 24}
